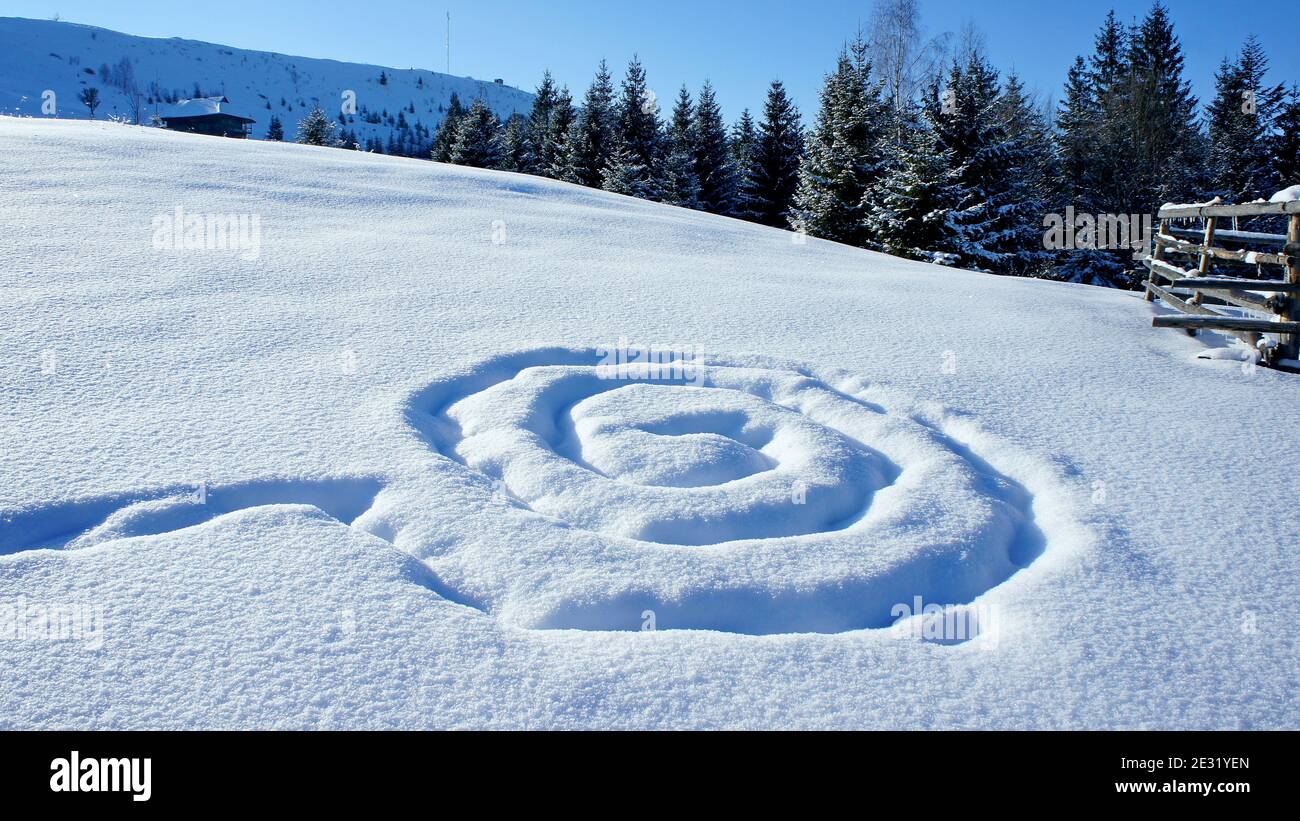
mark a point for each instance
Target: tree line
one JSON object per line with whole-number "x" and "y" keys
{"x": 948, "y": 161}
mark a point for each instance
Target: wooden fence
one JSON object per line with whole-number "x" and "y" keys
{"x": 1269, "y": 304}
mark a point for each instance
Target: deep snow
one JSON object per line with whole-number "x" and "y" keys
{"x": 371, "y": 473}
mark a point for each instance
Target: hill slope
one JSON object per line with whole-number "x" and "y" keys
{"x": 41, "y": 55}
{"x": 364, "y": 468}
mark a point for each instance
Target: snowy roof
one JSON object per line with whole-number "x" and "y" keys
{"x": 200, "y": 107}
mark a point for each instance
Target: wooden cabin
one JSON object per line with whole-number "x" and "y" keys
{"x": 206, "y": 115}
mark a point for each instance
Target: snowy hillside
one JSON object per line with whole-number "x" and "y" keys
{"x": 369, "y": 456}
{"x": 37, "y": 56}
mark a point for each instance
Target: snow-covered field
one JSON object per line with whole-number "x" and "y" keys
{"x": 377, "y": 466}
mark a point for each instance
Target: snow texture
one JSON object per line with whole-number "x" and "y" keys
{"x": 1290, "y": 194}
{"x": 382, "y": 472}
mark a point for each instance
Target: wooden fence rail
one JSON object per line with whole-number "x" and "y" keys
{"x": 1273, "y": 303}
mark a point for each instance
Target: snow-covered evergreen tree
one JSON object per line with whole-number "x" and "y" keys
{"x": 1076, "y": 138}
{"x": 713, "y": 164}
{"x": 681, "y": 186}
{"x": 478, "y": 138}
{"x": 1240, "y": 121}
{"x": 906, "y": 213}
{"x": 970, "y": 130}
{"x": 316, "y": 129}
{"x": 1286, "y": 142}
{"x": 591, "y": 138}
{"x": 1166, "y": 164}
{"x": 541, "y": 152}
{"x": 1079, "y": 133}
{"x": 845, "y": 157}
{"x": 445, "y": 137}
{"x": 563, "y": 117}
{"x": 514, "y": 144}
{"x": 744, "y": 144}
{"x": 636, "y": 164}
{"x": 778, "y": 152}
{"x": 1029, "y": 184}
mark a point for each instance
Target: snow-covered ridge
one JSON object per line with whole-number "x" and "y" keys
{"x": 40, "y": 56}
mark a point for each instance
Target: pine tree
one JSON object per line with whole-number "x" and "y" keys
{"x": 1240, "y": 121}
{"x": 907, "y": 213}
{"x": 845, "y": 156}
{"x": 478, "y": 138}
{"x": 636, "y": 163}
{"x": 1076, "y": 136}
{"x": 317, "y": 129}
{"x": 744, "y": 145}
{"x": 1029, "y": 182}
{"x": 590, "y": 142}
{"x": 1286, "y": 142}
{"x": 1095, "y": 143}
{"x": 713, "y": 164}
{"x": 1166, "y": 161}
{"x": 971, "y": 133}
{"x": 563, "y": 116}
{"x": 514, "y": 148}
{"x": 275, "y": 131}
{"x": 778, "y": 152}
{"x": 540, "y": 153}
{"x": 681, "y": 186}
{"x": 445, "y": 137}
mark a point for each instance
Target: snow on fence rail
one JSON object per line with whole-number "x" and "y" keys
{"x": 1268, "y": 306}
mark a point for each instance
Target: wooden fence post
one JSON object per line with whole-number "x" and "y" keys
{"x": 1157, "y": 253}
{"x": 1290, "y": 343}
{"x": 1207, "y": 242}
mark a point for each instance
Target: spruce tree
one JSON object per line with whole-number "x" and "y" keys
{"x": 514, "y": 146}
{"x": 1080, "y": 164}
{"x": 1076, "y": 136}
{"x": 744, "y": 144}
{"x": 970, "y": 130}
{"x": 906, "y": 214}
{"x": 541, "y": 152}
{"x": 1240, "y": 121}
{"x": 681, "y": 186}
{"x": 1285, "y": 145}
{"x": 713, "y": 164}
{"x": 1032, "y": 168}
{"x": 845, "y": 157}
{"x": 316, "y": 129}
{"x": 591, "y": 138}
{"x": 778, "y": 152}
{"x": 636, "y": 163}
{"x": 478, "y": 139}
{"x": 1166, "y": 161}
{"x": 563, "y": 117}
{"x": 445, "y": 137}
{"x": 275, "y": 131}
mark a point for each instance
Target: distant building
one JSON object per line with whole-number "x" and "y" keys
{"x": 206, "y": 115}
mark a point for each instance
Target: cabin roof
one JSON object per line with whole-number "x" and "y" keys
{"x": 202, "y": 107}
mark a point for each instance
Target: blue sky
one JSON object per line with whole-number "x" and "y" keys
{"x": 740, "y": 46}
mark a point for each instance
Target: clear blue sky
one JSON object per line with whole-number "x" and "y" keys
{"x": 740, "y": 46}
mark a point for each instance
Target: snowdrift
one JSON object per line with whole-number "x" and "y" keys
{"x": 302, "y": 437}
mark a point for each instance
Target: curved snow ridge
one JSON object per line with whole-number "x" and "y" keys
{"x": 745, "y": 495}
{"x": 86, "y": 523}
